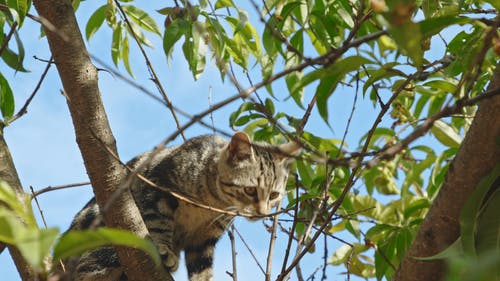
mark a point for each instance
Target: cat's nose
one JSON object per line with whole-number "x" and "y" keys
{"x": 261, "y": 208}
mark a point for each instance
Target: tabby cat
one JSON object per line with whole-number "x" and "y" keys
{"x": 237, "y": 176}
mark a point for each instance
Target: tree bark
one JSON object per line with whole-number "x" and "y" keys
{"x": 8, "y": 173}
{"x": 93, "y": 133}
{"x": 477, "y": 156}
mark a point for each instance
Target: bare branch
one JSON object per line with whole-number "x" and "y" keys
{"x": 230, "y": 233}
{"x": 250, "y": 251}
{"x": 52, "y": 188}
{"x": 24, "y": 109}
{"x": 272, "y": 241}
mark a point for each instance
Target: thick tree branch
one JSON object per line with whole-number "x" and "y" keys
{"x": 79, "y": 78}
{"x": 477, "y": 155}
{"x": 8, "y": 173}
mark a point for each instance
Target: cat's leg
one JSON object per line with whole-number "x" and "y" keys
{"x": 160, "y": 224}
{"x": 199, "y": 260}
{"x": 101, "y": 264}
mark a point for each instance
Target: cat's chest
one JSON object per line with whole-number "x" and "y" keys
{"x": 193, "y": 223}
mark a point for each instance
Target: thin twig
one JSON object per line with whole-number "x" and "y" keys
{"x": 294, "y": 224}
{"x": 250, "y": 251}
{"x": 233, "y": 274}
{"x": 38, "y": 206}
{"x": 325, "y": 256}
{"x": 272, "y": 241}
{"x": 52, "y": 188}
{"x": 24, "y": 109}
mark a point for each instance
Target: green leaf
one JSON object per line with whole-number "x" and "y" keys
{"x": 445, "y": 134}
{"x": 18, "y": 227}
{"x": 141, "y": 18}
{"x": 385, "y": 72}
{"x": 9, "y": 226}
{"x": 452, "y": 251}
{"x": 494, "y": 3}
{"x": 95, "y": 21}
{"x": 196, "y": 50}
{"x": 173, "y": 33}
{"x": 343, "y": 253}
{"x": 223, "y": 3}
{"x": 35, "y": 244}
{"x": 13, "y": 60}
{"x": 139, "y": 34}
{"x": 19, "y": 9}
{"x": 442, "y": 86}
{"x": 333, "y": 75}
{"x": 74, "y": 242}
{"x": 470, "y": 211}
{"x": 488, "y": 230}
{"x": 408, "y": 37}
{"x": 242, "y": 20}
{"x": 125, "y": 55}
{"x": 269, "y": 106}
{"x": 432, "y": 26}
{"x": 6, "y": 98}
{"x": 116, "y": 44}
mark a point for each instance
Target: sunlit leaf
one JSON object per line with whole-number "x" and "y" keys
{"x": 6, "y": 98}
{"x": 446, "y": 134}
{"x": 433, "y": 26}
{"x": 12, "y": 59}
{"x": 173, "y": 33}
{"x": 18, "y": 9}
{"x": 332, "y": 76}
{"x": 125, "y": 55}
{"x": 488, "y": 230}
{"x": 35, "y": 244}
{"x": 453, "y": 250}
{"x": 95, "y": 21}
{"x": 223, "y": 3}
{"x": 141, "y": 18}
{"x": 470, "y": 211}
{"x": 116, "y": 44}
{"x": 74, "y": 242}
{"x": 408, "y": 37}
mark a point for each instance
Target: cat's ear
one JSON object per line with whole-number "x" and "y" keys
{"x": 288, "y": 151}
{"x": 240, "y": 147}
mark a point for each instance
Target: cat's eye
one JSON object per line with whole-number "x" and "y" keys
{"x": 274, "y": 195}
{"x": 250, "y": 190}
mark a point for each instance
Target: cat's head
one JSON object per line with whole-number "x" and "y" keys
{"x": 252, "y": 176}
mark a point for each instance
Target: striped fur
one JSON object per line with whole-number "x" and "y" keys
{"x": 235, "y": 176}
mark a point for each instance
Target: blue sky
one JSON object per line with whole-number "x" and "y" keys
{"x": 45, "y": 153}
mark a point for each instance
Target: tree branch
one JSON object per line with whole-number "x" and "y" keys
{"x": 8, "y": 173}
{"x": 79, "y": 78}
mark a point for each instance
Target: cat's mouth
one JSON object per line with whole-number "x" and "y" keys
{"x": 253, "y": 214}
{"x": 255, "y": 217}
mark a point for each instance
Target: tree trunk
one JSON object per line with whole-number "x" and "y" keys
{"x": 93, "y": 133}
{"x": 8, "y": 173}
{"x": 476, "y": 157}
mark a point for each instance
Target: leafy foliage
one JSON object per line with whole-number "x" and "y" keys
{"x": 18, "y": 227}
{"x": 378, "y": 51}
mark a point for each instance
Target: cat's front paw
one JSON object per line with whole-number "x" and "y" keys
{"x": 169, "y": 259}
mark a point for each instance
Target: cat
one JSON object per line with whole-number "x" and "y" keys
{"x": 235, "y": 175}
